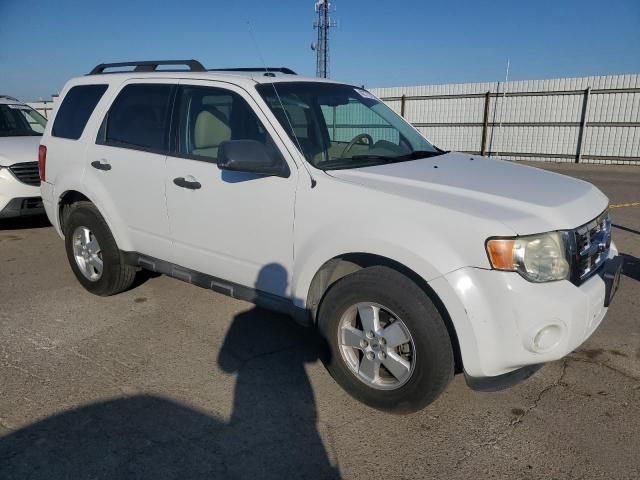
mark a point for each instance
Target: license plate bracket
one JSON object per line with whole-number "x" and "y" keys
{"x": 611, "y": 276}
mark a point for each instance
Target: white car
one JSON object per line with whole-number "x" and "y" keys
{"x": 20, "y": 130}
{"x": 313, "y": 198}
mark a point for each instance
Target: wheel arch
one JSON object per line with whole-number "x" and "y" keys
{"x": 342, "y": 265}
{"x": 66, "y": 200}
{"x": 71, "y": 196}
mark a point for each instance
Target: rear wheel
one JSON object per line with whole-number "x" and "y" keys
{"x": 388, "y": 344}
{"x": 93, "y": 254}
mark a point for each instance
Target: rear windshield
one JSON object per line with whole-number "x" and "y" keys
{"x": 20, "y": 121}
{"x": 76, "y": 109}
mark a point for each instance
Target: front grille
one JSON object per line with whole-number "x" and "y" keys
{"x": 590, "y": 248}
{"x": 26, "y": 172}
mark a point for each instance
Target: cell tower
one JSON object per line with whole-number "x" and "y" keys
{"x": 322, "y": 24}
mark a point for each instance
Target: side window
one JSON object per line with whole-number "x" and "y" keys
{"x": 209, "y": 116}
{"x": 75, "y": 110}
{"x": 139, "y": 117}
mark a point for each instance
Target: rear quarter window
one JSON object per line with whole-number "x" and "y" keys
{"x": 75, "y": 110}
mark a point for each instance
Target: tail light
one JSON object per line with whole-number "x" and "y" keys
{"x": 42, "y": 161}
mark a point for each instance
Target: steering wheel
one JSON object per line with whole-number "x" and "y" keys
{"x": 357, "y": 139}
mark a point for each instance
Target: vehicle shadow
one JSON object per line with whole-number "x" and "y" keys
{"x": 631, "y": 266}
{"x": 272, "y": 433}
{"x": 23, "y": 223}
{"x": 274, "y": 411}
{"x": 142, "y": 437}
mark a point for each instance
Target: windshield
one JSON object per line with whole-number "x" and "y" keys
{"x": 339, "y": 126}
{"x": 18, "y": 120}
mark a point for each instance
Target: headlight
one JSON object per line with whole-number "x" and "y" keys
{"x": 538, "y": 258}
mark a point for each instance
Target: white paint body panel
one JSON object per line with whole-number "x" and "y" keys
{"x": 434, "y": 221}
{"x": 237, "y": 226}
{"x": 526, "y": 199}
{"x": 135, "y": 187}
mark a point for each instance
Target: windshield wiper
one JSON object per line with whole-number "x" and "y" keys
{"x": 418, "y": 154}
{"x": 369, "y": 157}
{"x": 347, "y": 162}
{"x": 415, "y": 155}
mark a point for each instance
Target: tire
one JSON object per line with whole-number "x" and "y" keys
{"x": 115, "y": 276}
{"x": 431, "y": 355}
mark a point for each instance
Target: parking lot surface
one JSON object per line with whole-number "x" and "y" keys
{"x": 169, "y": 380}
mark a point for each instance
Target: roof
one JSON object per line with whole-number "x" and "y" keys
{"x": 235, "y": 76}
{"x": 244, "y": 80}
{"x": 193, "y": 70}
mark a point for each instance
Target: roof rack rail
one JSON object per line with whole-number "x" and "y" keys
{"x": 266, "y": 70}
{"x": 148, "y": 66}
{"x": 8, "y": 97}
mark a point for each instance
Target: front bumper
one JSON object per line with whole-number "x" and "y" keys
{"x": 505, "y": 323}
{"x": 22, "y": 207}
{"x": 17, "y": 198}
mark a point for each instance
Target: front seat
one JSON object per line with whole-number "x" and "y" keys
{"x": 209, "y": 132}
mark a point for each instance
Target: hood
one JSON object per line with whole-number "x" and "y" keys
{"x": 18, "y": 150}
{"x": 525, "y": 199}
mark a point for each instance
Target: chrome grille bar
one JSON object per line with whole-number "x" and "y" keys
{"x": 592, "y": 242}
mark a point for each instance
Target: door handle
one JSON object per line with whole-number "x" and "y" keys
{"x": 101, "y": 165}
{"x": 184, "y": 183}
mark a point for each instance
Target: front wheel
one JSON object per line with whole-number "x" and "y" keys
{"x": 388, "y": 344}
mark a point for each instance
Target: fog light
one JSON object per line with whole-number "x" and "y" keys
{"x": 547, "y": 338}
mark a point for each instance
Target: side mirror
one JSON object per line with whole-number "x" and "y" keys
{"x": 252, "y": 157}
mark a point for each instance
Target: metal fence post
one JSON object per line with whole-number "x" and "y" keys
{"x": 583, "y": 124}
{"x": 403, "y": 101}
{"x": 485, "y": 124}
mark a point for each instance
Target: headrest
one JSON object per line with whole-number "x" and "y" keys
{"x": 209, "y": 130}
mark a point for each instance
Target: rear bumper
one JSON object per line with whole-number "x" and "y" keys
{"x": 505, "y": 323}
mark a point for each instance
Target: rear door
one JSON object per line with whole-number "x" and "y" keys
{"x": 126, "y": 165}
{"x": 233, "y": 225}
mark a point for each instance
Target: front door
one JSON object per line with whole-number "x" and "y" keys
{"x": 232, "y": 225}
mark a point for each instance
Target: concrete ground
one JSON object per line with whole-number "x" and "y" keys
{"x": 169, "y": 380}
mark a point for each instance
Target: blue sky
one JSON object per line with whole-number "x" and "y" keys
{"x": 378, "y": 43}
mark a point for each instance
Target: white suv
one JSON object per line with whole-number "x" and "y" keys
{"x": 20, "y": 130}
{"x": 313, "y": 198}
